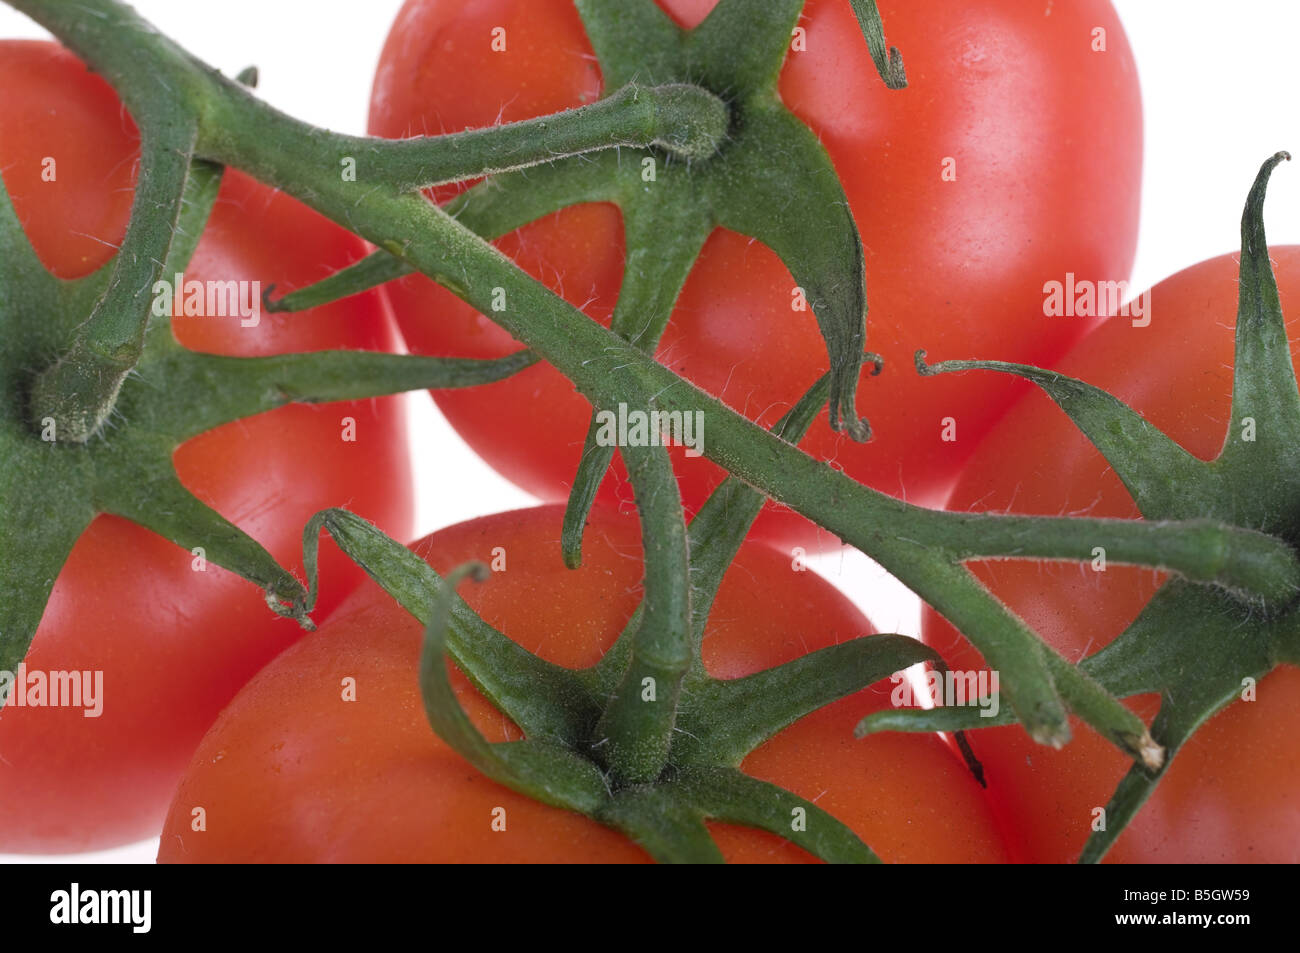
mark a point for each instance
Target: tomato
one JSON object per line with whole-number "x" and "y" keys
{"x": 1229, "y": 795}
{"x": 174, "y": 644}
{"x": 292, "y": 772}
{"x": 1042, "y": 133}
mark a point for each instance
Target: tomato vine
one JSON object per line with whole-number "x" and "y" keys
{"x": 704, "y": 106}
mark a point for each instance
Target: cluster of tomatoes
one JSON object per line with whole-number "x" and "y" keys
{"x": 971, "y": 190}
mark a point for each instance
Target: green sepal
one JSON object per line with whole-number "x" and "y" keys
{"x": 746, "y": 189}
{"x": 660, "y": 819}
{"x": 231, "y": 388}
{"x": 1193, "y": 644}
{"x": 726, "y": 794}
{"x": 1286, "y": 643}
{"x": 1264, "y": 382}
{"x": 139, "y": 484}
{"x": 1188, "y": 644}
{"x": 632, "y": 39}
{"x": 668, "y": 819}
{"x": 373, "y": 270}
{"x": 544, "y": 700}
{"x": 543, "y": 770}
{"x": 750, "y": 68}
{"x": 37, "y": 532}
{"x": 815, "y": 256}
{"x": 490, "y": 209}
{"x": 805, "y": 219}
{"x": 51, "y": 492}
{"x": 728, "y": 718}
{"x": 929, "y": 720}
{"x": 1164, "y": 480}
{"x": 889, "y": 62}
{"x": 201, "y": 188}
{"x": 1173, "y": 725}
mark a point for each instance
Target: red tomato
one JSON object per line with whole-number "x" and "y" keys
{"x": 292, "y": 772}
{"x": 1043, "y": 134}
{"x": 174, "y": 644}
{"x": 1229, "y": 795}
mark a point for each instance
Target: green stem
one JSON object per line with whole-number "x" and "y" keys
{"x": 636, "y": 730}
{"x": 607, "y": 369}
{"x": 663, "y": 239}
{"x": 1247, "y": 563}
{"x": 713, "y": 538}
{"x": 1088, "y": 698}
{"x": 240, "y": 131}
{"x": 687, "y": 121}
{"x": 78, "y": 392}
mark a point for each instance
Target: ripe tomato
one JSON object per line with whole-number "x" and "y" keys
{"x": 1042, "y": 133}
{"x": 293, "y": 772}
{"x": 174, "y": 644}
{"x": 1229, "y": 795}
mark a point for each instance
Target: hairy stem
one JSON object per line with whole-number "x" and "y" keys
{"x": 913, "y": 543}
{"x": 687, "y": 121}
{"x": 78, "y": 392}
{"x": 636, "y": 729}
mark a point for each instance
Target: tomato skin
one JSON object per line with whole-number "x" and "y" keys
{"x": 1020, "y": 102}
{"x": 1229, "y": 795}
{"x": 174, "y": 644}
{"x": 292, "y": 773}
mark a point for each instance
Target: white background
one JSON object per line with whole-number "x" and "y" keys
{"x": 1218, "y": 88}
